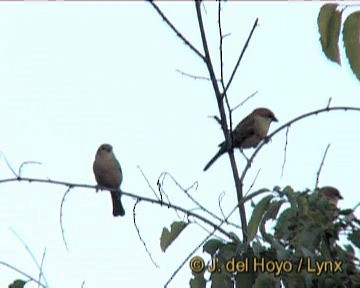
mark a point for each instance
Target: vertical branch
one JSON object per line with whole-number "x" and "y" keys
{"x": 238, "y": 183}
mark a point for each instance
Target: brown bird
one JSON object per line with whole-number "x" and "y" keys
{"x": 330, "y": 195}
{"x": 108, "y": 175}
{"x": 249, "y": 132}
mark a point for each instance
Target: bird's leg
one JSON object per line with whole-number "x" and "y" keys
{"x": 266, "y": 139}
{"x": 97, "y": 188}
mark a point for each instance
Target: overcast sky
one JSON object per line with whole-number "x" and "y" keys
{"x": 76, "y": 75}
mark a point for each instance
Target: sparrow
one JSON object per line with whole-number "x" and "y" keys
{"x": 249, "y": 132}
{"x": 330, "y": 195}
{"x": 108, "y": 175}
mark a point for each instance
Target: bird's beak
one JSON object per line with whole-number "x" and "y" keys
{"x": 275, "y": 119}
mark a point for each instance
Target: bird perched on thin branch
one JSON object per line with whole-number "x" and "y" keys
{"x": 108, "y": 175}
{"x": 249, "y": 132}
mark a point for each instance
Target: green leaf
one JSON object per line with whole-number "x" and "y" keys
{"x": 245, "y": 279}
{"x": 198, "y": 281}
{"x": 228, "y": 251}
{"x": 271, "y": 213}
{"x": 221, "y": 280}
{"x": 167, "y": 237}
{"x": 329, "y": 22}
{"x": 17, "y": 284}
{"x": 212, "y": 246}
{"x": 351, "y": 35}
{"x": 257, "y": 215}
{"x": 265, "y": 280}
{"x": 354, "y": 237}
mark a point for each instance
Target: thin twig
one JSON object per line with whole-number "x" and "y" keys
{"x": 31, "y": 255}
{"x": 162, "y": 192}
{"x": 8, "y": 164}
{"x": 320, "y": 167}
{"x": 141, "y": 239}
{"x": 167, "y": 21}
{"x": 197, "y": 203}
{"x": 23, "y": 273}
{"x": 41, "y": 266}
{"x": 196, "y": 77}
{"x": 61, "y": 215}
{"x": 252, "y": 184}
{"x": 296, "y": 119}
{"x": 27, "y": 163}
{"x": 241, "y": 55}
{"x": 224, "y": 94}
{"x": 285, "y": 149}
{"x": 217, "y": 119}
{"x": 329, "y": 102}
{"x": 148, "y": 182}
{"x": 244, "y": 101}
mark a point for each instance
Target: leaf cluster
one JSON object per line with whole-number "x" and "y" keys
{"x": 306, "y": 232}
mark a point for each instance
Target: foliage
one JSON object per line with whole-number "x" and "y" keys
{"x": 329, "y": 23}
{"x": 301, "y": 250}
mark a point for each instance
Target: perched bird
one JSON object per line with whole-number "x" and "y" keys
{"x": 108, "y": 174}
{"x": 330, "y": 195}
{"x": 249, "y": 132}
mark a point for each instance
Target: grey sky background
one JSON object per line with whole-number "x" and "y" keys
{"x": 76, "y": 75}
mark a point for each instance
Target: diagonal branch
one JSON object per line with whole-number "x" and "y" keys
{"x": 288, "y": 124}
{"x": 241, "y": 54}
{"x": 167, "y": 21}
{"x": 321, "y": 165}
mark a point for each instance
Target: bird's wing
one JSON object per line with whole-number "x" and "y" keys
{"x": 119, "y": 166}
{"x": 243, "y": 130}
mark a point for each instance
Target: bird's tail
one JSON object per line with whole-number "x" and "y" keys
{"x": 118, "y": 209}
{"x": 217, "y": 155}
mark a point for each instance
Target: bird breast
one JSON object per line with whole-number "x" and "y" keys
{"x": 261, "y": 126}
{"x": 107, "y": 172}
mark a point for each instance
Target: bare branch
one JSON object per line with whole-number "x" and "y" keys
{"x": 8, "y": 164}
{"x": 167, "y": 21}
{"x": 194, "y": 76}
{"x": 320, "y": 167}
{"x": 41, "y": 265}
{"x": 136, "y": 197}
{"x": 27, "y": 163}
{"x": 141, "y": 239}
{"x": 217, "y": 119}
{"x": 241, "y": 55}
{"x": 252, "y": 184}
{"x": 61, "y": 222}
{"x": 23, "y": 273}
{"x": 227, "y": 134}
{"x": 285, "y": 149}
{"x": 329, "y": 102}
{"x": 147, "y": 181}
{"x": 288, "y": 124}
{"x": 31, "y": 255}
{"x": 197, "y": 203}
{"x": 244, "y": 101}
{"x": 221, "y": 196}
